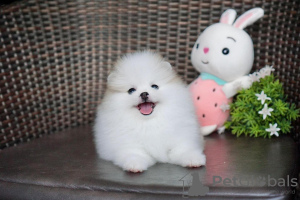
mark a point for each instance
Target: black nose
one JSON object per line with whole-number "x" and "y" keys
{"x": 144, "y": 96}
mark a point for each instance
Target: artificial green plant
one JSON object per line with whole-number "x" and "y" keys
{"x": 262, "y": 110}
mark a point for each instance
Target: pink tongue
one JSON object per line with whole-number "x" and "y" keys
{"x": 146, "y": 108}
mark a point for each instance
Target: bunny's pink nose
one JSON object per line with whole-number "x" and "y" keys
{"x": 206, "y": 50}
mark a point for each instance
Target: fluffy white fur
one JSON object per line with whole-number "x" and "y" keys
{"x": 133, "y": 141}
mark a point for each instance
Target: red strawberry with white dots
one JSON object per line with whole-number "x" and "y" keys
{"x": 210, "y": 102}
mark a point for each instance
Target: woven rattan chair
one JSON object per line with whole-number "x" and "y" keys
{"x": 54, "y": 60}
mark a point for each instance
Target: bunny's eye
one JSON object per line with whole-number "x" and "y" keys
{"x": 197, "y": 46}
{"x": 225, "y": 51}
{"x": 131, "y": 90}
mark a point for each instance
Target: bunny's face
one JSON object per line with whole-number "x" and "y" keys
{"x": 224, "y": 51}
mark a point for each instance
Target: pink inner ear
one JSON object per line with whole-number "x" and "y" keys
{"x": 242, "y": 20}
{"x": 224, "y": 20}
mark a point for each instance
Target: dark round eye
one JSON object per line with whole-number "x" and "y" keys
{"x": 225, "y": 51}
{"x": 131, "y": 90}
{"x": 154, "y": 86}
{"x": 197, "y": 46}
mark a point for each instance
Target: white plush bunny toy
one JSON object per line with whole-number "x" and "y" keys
{"x": 224, "y": 55}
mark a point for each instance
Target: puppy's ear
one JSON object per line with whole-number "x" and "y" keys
{"x": 167, "y": 65}
{"x": 110, "y": 76}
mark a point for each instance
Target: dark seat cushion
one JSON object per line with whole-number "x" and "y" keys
{"x": 65, "y": 166}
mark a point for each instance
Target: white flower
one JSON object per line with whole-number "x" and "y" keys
{"x": 263, "y": 73}
{"x": 273, "y": 130}
{"x": 265, "y": 111}
{"x": 255, "y": 76}
{"x": 266, "y": 71}
{"x": 225, "y": 107}
{"x": 263, "y": 97}
{"x": 252, "y": 77}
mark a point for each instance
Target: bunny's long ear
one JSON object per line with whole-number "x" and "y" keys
{"x": 248, "y": 18}
{"x": 228, "y": 17}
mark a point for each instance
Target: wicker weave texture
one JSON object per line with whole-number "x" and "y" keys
{"x": 55, "y": 55}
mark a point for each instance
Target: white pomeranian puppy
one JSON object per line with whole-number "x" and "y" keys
{"x": 147, "y": 116}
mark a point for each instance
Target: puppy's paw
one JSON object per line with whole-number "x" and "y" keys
{"x": 135, "y": 164}
{"x": 193, "y": 159}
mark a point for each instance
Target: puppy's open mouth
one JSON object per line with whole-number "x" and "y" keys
{"x": 146, "y": 108}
